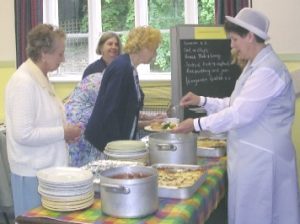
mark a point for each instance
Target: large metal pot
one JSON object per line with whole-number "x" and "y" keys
{"x": 129, "y": 198}
{"x": 173, "y": 148}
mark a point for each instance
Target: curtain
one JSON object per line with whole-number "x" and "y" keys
{"x": 228, "y": 8}
{"x": 28, "y": 13}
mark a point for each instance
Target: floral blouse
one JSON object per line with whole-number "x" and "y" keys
{"x": 78, "y": 109}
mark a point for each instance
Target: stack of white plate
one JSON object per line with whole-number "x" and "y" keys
{"x": 66, "y": 188}
{"x": 127, "y": 150}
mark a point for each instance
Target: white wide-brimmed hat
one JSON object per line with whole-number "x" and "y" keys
{"x": 252, "y": 20}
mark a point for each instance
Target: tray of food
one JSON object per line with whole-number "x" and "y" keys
{"x": 211, "y": 145}
{"x": 179, "y": 181}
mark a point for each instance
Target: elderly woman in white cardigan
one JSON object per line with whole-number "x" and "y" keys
{"x": 35, "y": 121}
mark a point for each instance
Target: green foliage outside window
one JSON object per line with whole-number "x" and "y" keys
{"x": 164, "y": 14}
{"x": 118, "y": 16}
{"x": 206, "y": 12}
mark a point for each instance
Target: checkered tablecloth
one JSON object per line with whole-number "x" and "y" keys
{"x": 171, "y": 211}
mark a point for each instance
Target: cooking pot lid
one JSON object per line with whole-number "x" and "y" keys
{"x": 126, "y": 146}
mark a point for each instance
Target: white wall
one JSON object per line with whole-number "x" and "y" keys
{"x": 284, "y": 18}
{"x": 7, "y": 30}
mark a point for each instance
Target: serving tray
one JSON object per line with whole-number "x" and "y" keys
{"x": 211, "y": 152}
{"x": 180, "y": 192}
{"x": 212, "y": 145}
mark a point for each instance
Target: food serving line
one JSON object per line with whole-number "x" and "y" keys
{"x": 177, "y": 187}
{"x": 193, "y": 210}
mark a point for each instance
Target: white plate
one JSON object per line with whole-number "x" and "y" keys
{"x": 148, "y": 128}
{"x": 67, "y": 203}
{"x": 58, "y": 193}
{"x": 68, "y": 198}
{"x": 65, "y": 186}
{"x": 67, "y": 208}
{"x": 126, "y": 145}
{"x": 129, "y": 155}
{"x": 65, "y": 175}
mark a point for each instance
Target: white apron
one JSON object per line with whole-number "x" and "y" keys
{"x": 261, "y": 158}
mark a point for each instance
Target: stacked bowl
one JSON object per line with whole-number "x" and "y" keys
{"x": 127, "y": 150}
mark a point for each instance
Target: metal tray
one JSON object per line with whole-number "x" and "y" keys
{"x": 211, "y": 152}
{"x": 176, "y": 192}
{"x": 208, "y": 134}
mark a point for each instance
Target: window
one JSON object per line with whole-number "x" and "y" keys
{"x": 84, "y": 21}
{"x": 73, "y": 19}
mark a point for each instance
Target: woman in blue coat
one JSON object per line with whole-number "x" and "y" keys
{"x": 116, "y": 112}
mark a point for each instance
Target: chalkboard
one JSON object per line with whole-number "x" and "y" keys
{"x": 206, "y": 67}
{"x": 201, "y": 63}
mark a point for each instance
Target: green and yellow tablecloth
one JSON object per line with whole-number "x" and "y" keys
{"x": 171, "y": 211}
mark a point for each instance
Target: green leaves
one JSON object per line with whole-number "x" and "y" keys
{"x": 118, "y": 16}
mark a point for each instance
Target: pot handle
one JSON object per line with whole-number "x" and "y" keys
{"x": 116, "y": 188}
{"x": 166, "y": 147}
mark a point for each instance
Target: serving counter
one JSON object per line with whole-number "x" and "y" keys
{"x": 193, "y": 210}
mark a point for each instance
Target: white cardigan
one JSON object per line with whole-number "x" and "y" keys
{"x": 34, "y": 122}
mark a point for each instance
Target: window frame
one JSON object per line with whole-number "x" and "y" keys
{"x": 50, "y": 15}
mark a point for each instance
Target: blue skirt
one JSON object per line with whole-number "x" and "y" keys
{"x": 25, "y": 193}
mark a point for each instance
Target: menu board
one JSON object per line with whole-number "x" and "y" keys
{"x": 203, "y": 67}
{"x": 206, "y": 67}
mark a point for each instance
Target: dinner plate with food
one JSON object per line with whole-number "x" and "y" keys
{"x": 166, "y": 125}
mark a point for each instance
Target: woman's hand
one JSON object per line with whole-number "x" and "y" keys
{"x": 72, "y": 132}
{"x": 185, "y": 126}
{"x": 190, "y": 99}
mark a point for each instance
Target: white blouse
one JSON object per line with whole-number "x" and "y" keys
{"x": 259, "y": 89}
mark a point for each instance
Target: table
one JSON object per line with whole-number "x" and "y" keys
{"x": 171, "y": 211}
